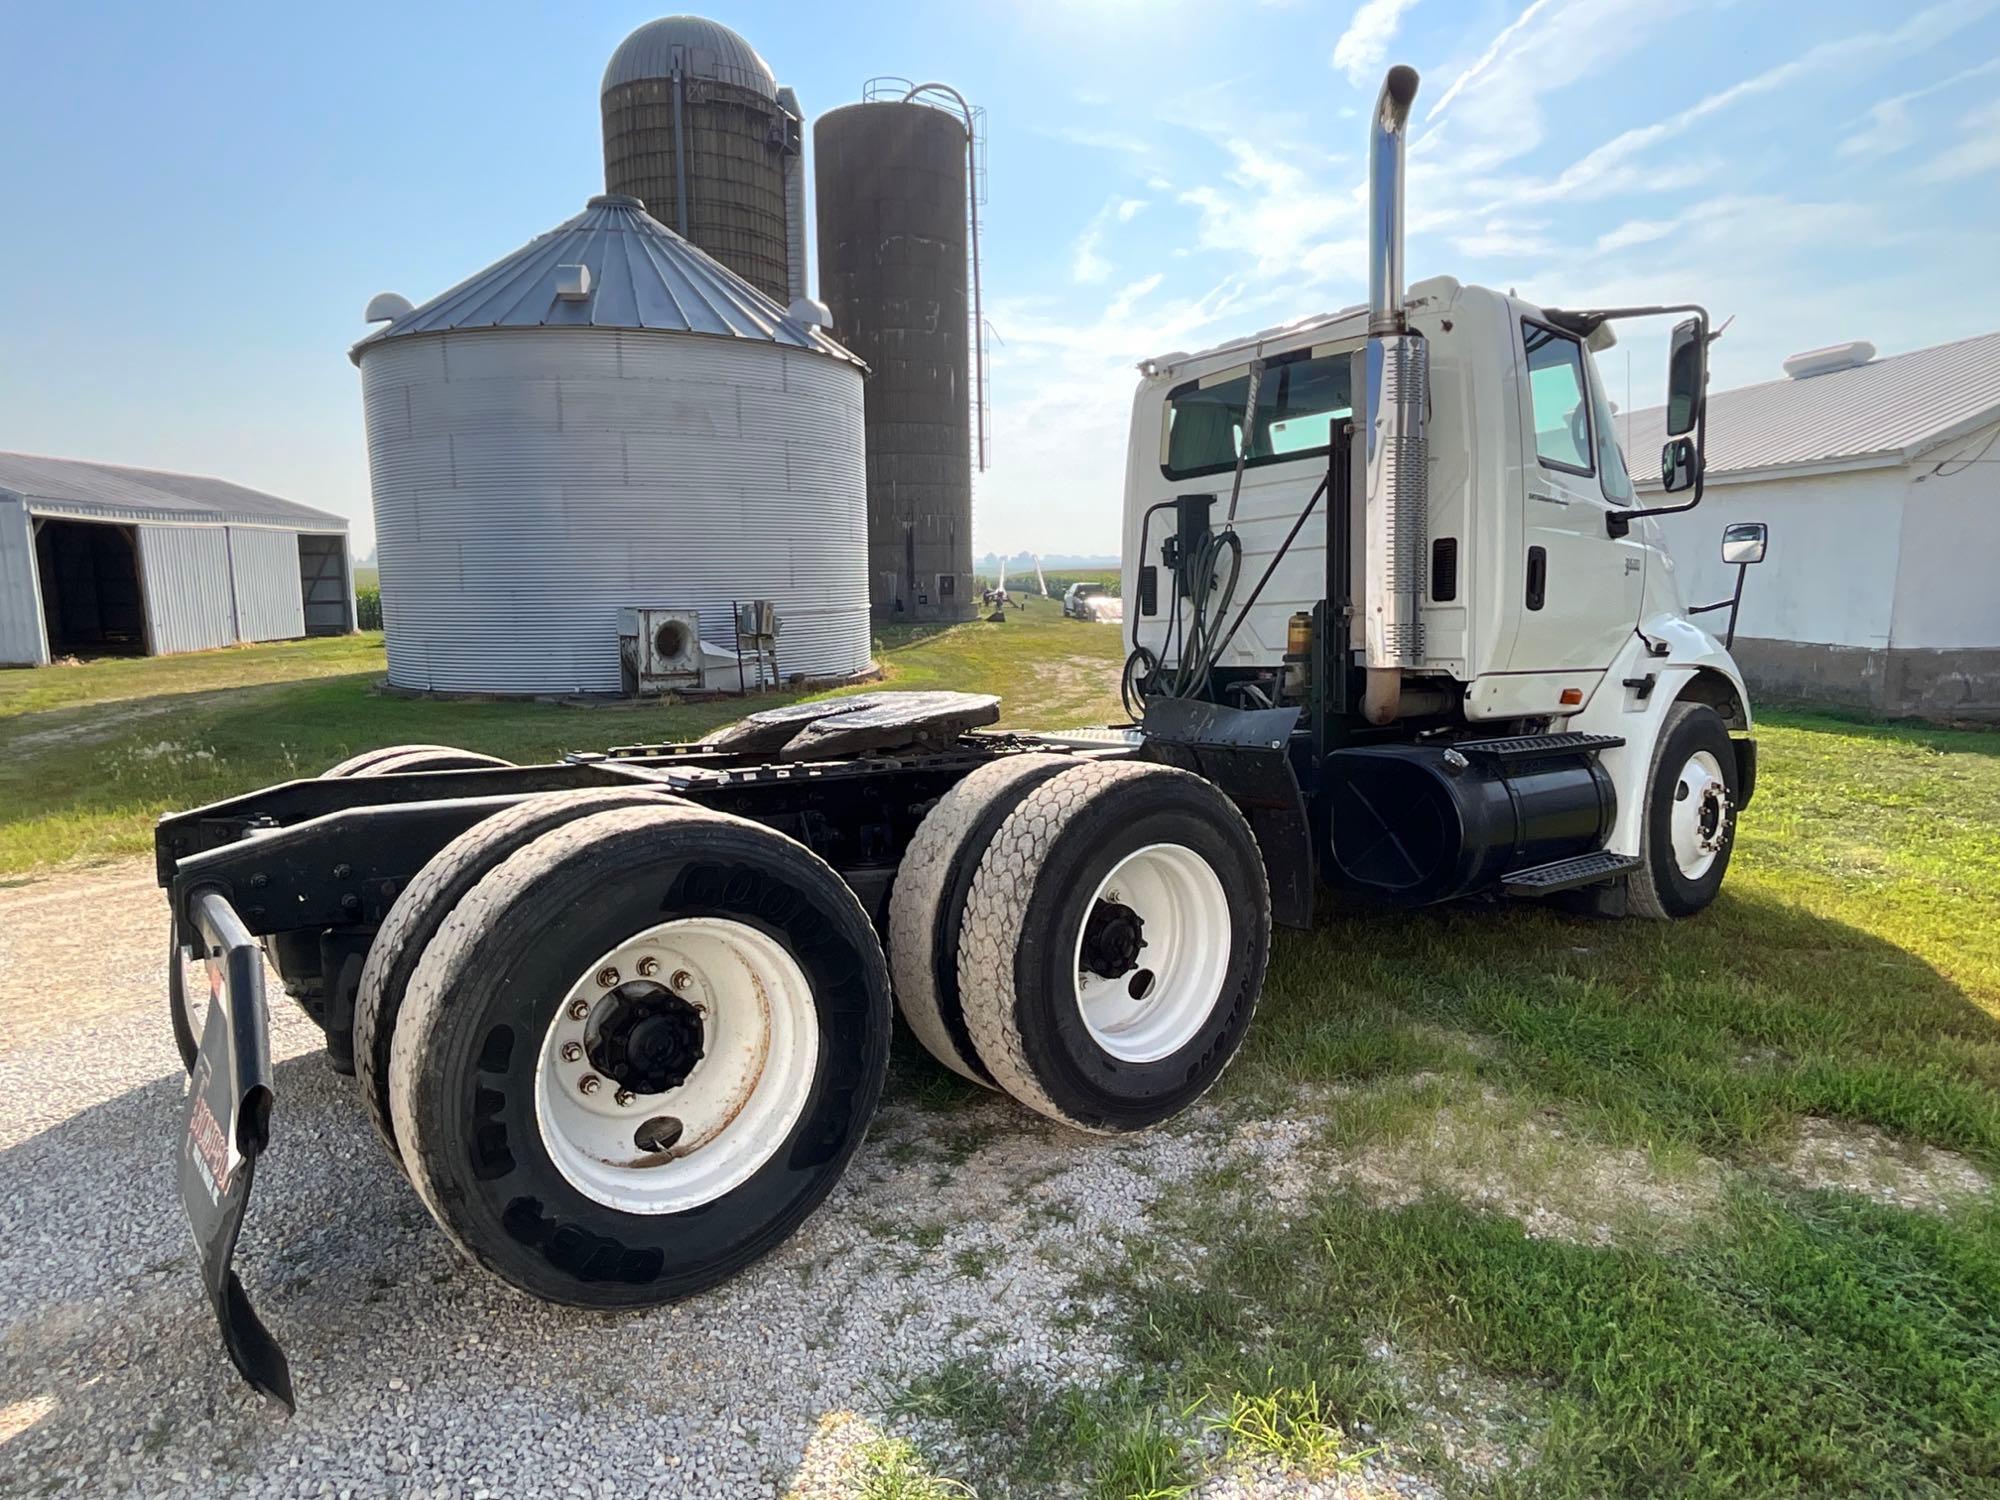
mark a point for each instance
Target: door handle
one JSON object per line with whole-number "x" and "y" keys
{"x": 1549, "y": 499}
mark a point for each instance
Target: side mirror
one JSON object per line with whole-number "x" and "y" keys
{"x": 1687, "y": 377}
{"x": 1744, "y": 542}
{"x": 1678, "y": 464}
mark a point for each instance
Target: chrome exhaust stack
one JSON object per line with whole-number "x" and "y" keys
{"x": 1397, "y": 395}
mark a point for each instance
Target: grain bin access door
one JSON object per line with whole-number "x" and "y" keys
{"x": 323, "y": 583}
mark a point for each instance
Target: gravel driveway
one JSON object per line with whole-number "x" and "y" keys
{"x": 952, "y": 1234}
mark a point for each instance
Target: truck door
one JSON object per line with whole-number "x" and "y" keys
{"x": 1580, "y": 587}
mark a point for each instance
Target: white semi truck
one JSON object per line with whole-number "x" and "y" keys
{"x": 1396, "y": 626}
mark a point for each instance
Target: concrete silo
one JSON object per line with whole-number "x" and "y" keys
{"x": 609, "y": 418}
{"x": 891, "y": 181}
{"x": 696, "y": 126}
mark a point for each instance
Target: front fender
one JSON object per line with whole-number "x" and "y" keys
{"x": 1667, "y": 659}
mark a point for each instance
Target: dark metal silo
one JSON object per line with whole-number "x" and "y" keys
{"x": 891, "y": 186}
{"x": 693, "y": 125}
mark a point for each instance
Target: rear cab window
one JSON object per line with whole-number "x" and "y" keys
{"x": 1302, "y": 395}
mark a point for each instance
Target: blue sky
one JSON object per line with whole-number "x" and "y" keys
{"x": 197, "y": 202}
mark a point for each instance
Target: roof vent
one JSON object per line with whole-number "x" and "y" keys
{"x": 1825, "y": 361}
{"x": 573, "y": 283}
{"x": 386, "y": 307}
{"x": 809, "y": 313}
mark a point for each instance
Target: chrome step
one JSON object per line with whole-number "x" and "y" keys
{"x": 1567, "y": 874}
{"x": 1522, "y": 747}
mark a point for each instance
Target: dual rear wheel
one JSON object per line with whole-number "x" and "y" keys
{"x": 1090, "y": 938}
{"x": 622, "y": 1045}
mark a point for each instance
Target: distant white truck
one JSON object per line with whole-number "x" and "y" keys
{"x": 1089, "y": 601}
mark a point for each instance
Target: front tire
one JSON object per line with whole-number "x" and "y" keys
{"x": 736, "y": 951}
{"x": 1689, "y": 827}
{"x": 1114, "y": 944}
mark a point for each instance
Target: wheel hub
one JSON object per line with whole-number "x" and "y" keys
{"x": 1112, "y": 937}
{"x": 650, "y": 1039}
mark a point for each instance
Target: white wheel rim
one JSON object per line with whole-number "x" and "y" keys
{"x": 1157, "y": 1006}
{"x": 1699, "y": 821}
{"x": 735, "y": 1107}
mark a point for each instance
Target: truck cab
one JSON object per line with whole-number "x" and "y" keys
{"x": 1425, "y": 495}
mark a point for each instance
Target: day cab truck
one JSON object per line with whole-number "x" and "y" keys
{"x": 1396, "y": 625}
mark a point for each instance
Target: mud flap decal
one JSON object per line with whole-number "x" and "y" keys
{"x": 225, "y": 1126}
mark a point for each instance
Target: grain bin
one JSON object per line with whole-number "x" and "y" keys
{"x": 609, "y": 418}
{"x": 696, "y": 126}
{"x": 891, "y": 183}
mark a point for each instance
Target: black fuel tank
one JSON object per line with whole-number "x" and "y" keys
{"x": 1415, "y": 824}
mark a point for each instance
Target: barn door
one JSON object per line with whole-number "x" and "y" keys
{"x": 323, "y": 582}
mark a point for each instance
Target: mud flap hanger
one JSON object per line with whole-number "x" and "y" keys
{"x": 226, "y": 1123}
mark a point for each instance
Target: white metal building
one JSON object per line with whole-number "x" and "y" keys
{"x": 609, "y": 418}
{"x": 1880, "y": 481}
{"x": 99, "y": 559}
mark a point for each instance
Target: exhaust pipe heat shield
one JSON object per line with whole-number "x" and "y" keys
{"x": 1396, "y": 519}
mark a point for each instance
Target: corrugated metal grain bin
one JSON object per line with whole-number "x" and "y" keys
{"x": 606, "y": 418}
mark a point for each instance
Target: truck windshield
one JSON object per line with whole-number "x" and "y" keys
{"x": 1611, "y": 470}
{"x": 1298, "y": 401}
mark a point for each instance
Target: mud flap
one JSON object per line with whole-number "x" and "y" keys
{"x": 225, "y": 1127}
{"x": 1245, "y": 752}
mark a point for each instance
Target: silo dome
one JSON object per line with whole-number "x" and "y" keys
{"x": 606, "y": 418}
{"x": 699, "y": 47}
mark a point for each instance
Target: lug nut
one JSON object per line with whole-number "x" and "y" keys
{"x": 571, "y": 1051}
{"x": 624, "y": 1097}
{"x": 683, "y": 980}
{"x": 587, "y": 1084}
{"x": 648, "y": 967}
{"x": 578, "y": 1009}
{"x": 607, "y": 977}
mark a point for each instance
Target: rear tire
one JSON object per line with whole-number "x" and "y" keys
{"x": 1115, "y": 940}
{"x": 927, "y": 904}
{"x": 420, "y": 911}
{"x": 1689, "y": 820}
{"x": 506, "y": 1145}
{"x": 431, "y": 759}
{"x": 354, "y": 765}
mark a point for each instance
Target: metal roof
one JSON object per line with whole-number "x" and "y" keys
{"x": 1882, "y": 412}
{"x": 642, "y": 276}
{"x": 75, "y": 486}
{"x": 702, "y": 48}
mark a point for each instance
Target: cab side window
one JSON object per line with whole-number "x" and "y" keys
{"x": 1561, "y": 399}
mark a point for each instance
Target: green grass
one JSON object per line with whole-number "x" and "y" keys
{"x": 91, "y": 755}
{"x": 1809, "y": 1343}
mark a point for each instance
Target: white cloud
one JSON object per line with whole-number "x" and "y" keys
{"x": 1889, "y": 129}
{"x": 1364, "y": 46}
{"x": 1976, "y": 154}
{"x": 1486, "y": 59}
{"x": 1087, "y": 263}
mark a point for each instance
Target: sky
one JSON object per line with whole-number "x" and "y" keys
{"x": 197, "y": 202}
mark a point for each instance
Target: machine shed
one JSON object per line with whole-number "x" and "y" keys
{"x": 1880, "y": 481}
{"x": 103, "y": 560}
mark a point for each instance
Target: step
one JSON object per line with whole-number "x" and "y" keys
{"x": 1522, "y": 747}
{"x": 1567, "y": 874}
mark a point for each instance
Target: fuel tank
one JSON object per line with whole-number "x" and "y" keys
{"x": 1414, "y": 824}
